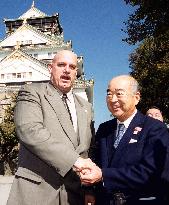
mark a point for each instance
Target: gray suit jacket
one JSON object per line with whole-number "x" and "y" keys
{"x": 48, "y": 146}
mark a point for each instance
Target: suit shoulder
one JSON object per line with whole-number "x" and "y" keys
{"x": 156, "y": 130}
{"x": 33, "y": 86}
{"x": 154, "y": 122}
{"x": 106, "y": 127}
{"x": 108, "y": 123}
{"x": 82, "y": 101}
{"x": 149, "y": 121}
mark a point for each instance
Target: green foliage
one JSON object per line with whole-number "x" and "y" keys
{"x": 8, "y": 138}
{"x": 149, "y": 63}
{"x": 151, "y": 18}
{"x": 150, "y": 66}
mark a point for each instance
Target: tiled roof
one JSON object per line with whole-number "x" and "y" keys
{"x": 21, "y": 52}
{"x": 32, "y": 13}
{"x": 54, "y": 39}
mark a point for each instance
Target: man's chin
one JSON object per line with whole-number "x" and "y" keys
{"x": 117, "y": 114}
{"x": 65, "y": 88}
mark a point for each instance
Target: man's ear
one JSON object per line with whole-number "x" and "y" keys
{"x": 50, "y": 68}
{"x": 137, "y": 97}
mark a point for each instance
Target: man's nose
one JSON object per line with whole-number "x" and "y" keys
{"x": 114, "y": 98}
{"x": 67, "y": 68}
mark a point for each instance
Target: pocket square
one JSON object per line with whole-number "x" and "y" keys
{"x": 132, "y": 141}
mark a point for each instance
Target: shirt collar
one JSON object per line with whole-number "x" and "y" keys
{"x": 69, "y": 94}
{"x": 127, "y": 122}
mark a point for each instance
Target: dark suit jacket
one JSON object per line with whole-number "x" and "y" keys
{"x": 48, "y": 146}
{"x": 135, "y": 166}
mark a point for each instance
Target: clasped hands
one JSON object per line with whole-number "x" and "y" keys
{"x": 88, "y": 171}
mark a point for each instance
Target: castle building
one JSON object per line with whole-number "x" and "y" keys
{"x": 30, "y": 44}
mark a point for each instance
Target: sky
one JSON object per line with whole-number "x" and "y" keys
{"x": 94, "y": 26}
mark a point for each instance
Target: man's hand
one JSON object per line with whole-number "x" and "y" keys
{"x": 88, "y": 171}
{"x": 91, "y": 177}
{"x": 83, "y": 164}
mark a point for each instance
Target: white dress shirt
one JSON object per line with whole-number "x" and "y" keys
{"x": 126, "y": 122}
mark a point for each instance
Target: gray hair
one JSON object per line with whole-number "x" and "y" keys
{"x": 134, "y": 85}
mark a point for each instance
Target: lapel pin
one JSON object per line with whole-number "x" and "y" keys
{"x": 136, "y": 130}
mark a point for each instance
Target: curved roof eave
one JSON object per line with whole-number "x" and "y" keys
{"x": 32, "y": 12}
{"x": 26, "y": 55}
{"x": 52, "y": 39}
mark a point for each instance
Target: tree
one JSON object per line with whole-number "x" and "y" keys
{"x": 151, "y": 18}
{"x": 150, "y": 66}
{"x": 149, "y": 63}
{"x": 9, "y": 140}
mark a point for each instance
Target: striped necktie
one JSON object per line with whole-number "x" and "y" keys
{"x": 120, "y": 133}
{"x": 64, "y": 99}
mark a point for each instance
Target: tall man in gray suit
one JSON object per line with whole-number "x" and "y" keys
{"x": 53, "y": 144}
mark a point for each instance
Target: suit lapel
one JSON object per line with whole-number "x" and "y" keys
{"x": 137, "y": 121}
{"x": 111, "y": 139}
{"x": 54, "y": 99}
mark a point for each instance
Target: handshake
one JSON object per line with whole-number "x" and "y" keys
{"x": 88, "y": 171}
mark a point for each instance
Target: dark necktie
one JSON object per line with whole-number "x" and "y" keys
{"x": 120, "y": 133}
{"x": 64, "y": 99}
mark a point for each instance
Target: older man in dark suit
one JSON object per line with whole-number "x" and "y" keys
{"x": 131, "y": 150}
{"x": 55, "y": 134}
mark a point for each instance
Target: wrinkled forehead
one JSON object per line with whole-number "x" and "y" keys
{"x": 120, "y": 84}
{"x": 65, "y": 56}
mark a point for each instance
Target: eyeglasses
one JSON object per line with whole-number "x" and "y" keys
{"x": 119, "y": 93}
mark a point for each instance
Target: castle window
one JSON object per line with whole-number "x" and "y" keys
{"x": 49, "y": 55}
{"x": 8, "y": 75}
{"x": 18, "y": 75}
{"x": 13, "y": 75}
{"x": 2, "y": 76}
{"x": 35, "y": 55}
{"x": 30, "y": 74}
{"x": 24, "y": 75}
